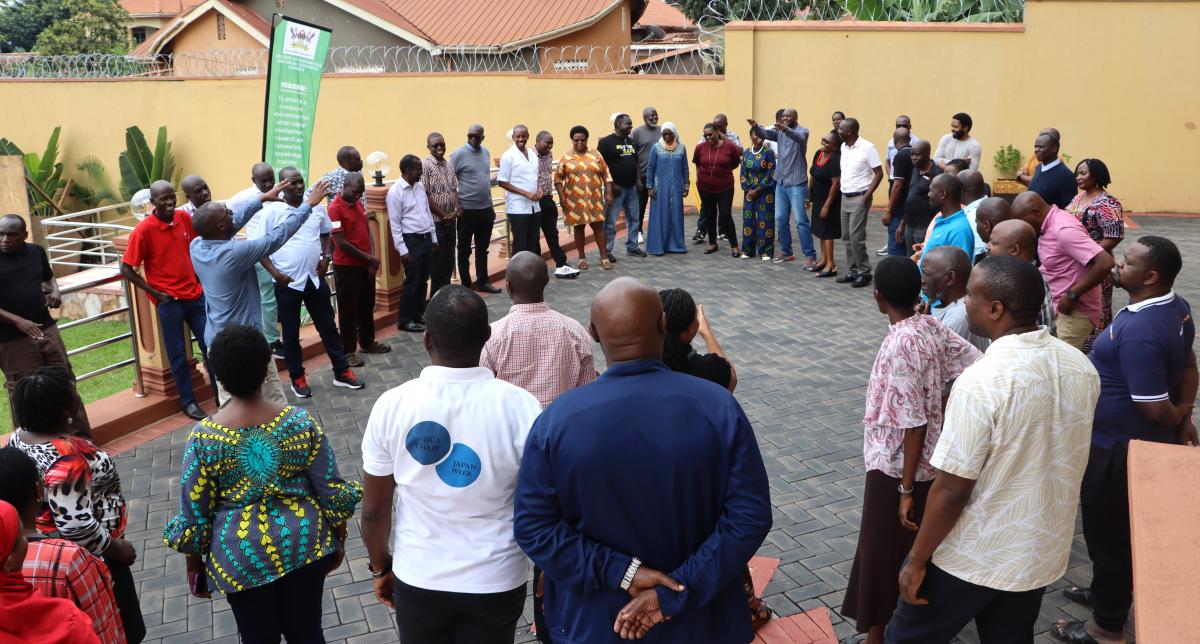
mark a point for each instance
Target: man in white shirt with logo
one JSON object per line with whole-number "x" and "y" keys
{"x": 1000, "y": 517}
{"x": 441, "y": 455}
{"x": 861, "y": 173}
{"x": 298, "y": 269}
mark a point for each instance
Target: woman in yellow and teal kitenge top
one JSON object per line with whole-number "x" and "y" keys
{"x": 263, "y": 509}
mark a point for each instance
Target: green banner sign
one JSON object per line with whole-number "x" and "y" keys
{"x": 297, "y": 58}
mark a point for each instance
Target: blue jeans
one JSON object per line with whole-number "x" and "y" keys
{"x": 172, "y": 316}
{"x": 628, "y": 200}
{"x": 789, "y": 200}
{"x": 896, "y": 248}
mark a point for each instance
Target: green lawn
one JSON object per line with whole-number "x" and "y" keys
{"x": 100, "y": 386}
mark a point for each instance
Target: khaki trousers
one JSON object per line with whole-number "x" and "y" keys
{"x": 1073, "y": 328}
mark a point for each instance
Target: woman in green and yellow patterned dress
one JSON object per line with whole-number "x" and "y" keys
{"x": 758, "y": 211}
{"x": 262, "y": 508}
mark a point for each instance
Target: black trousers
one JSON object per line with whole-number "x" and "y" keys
{"x": 125, "y": 592}
{"x": 317, "y": 299}
{"x": 474, "y": 226}
{"x": 1000, "y": 617}
{"x": 549, "y": 224}
{"x": 716, "y": 209}
{"x": 356, "y": 306}
{"x": 438, "y": 617}
{"x": 525, "y": 229}
{"x": 442, "y": 264}
{"x": 1104, "y": 497}
{"x": 416, "y": 279}
{"x": 289, "y": 606}
{"x": 643, "y": 201}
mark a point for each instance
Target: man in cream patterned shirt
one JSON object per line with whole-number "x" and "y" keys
{"x": 1001, "y": 514}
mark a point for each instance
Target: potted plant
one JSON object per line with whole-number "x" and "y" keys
{"x": 1008, "y": 162}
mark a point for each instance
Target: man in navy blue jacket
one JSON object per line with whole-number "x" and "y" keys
{"x": 643, "y": 470}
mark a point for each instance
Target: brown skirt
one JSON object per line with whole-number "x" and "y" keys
{"x": 874, "y": 587}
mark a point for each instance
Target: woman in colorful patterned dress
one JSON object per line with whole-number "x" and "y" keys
{"x": 581, "y": 182}
{"x": 262, "y": 507}
{"x": 917, "y": 361}
{"x": 758, "y": 210}
{"x": 84, "y": 503}
{"x": 667, "y": 183}
{"x": 1101, "y": 214}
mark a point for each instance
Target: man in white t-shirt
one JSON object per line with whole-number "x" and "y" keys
{"x": 447, "y": 447}
{"x": 262, "y": 175}
{"x": 958, "y": 143}
{"x": 1000, "y": 517}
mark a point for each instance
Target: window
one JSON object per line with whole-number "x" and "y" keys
{"x": 139, "y": 34}
{"x": 220, "y": 27}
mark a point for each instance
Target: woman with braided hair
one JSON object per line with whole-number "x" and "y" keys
{"x": 685, "y": 319}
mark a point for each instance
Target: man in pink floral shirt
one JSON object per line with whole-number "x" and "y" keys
{"x": 917, "y": 362}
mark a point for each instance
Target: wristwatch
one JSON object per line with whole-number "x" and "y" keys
{"x": 382, "y": 572}
{"x": 630, "y": 572}
{"x": 1072, "y": 295}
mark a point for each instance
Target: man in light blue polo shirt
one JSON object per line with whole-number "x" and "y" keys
{"x": 1148, "y": 381}
{"x": 951, "y": 227}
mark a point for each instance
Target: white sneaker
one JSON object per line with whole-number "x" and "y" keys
{"x": 566, "y": 272}
{"x": 882, "y": 252}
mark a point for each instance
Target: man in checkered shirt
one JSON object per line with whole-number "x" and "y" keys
{"x": 533, "y": 347}
{"x": 57, "y": 567}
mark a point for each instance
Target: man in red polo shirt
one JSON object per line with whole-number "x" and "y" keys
{"x": 159, "y": 245}
{"x": 354, "y": 267}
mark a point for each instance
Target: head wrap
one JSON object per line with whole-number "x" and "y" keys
{"x": 668, "y": 126}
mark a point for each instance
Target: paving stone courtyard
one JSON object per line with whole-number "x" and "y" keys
{"x": 803, "y": 349}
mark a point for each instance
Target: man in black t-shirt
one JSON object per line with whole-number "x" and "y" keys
{"x": 918, "y": 212}
{"x": 29, "y": 338}
{"x": 900, "y": 170}
{"x": 620, "y": 155}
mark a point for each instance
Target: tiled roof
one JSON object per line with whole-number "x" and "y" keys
{"x": 157, "y": 7}
{"x": 239, "y": 12}
{"x": 661, "y": 14}
{"x": 493, "y": 24}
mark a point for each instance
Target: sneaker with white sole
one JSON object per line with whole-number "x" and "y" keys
{"x": 566, "y": 272}
{"x": 348, "y": 380}
{"x": 300, "y": 387}
{"x": 882, "y": 252}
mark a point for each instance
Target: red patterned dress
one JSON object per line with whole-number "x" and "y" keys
{"x": 1103, "y": 218}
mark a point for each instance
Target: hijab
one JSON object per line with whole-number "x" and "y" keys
{"x": 26, "y": 615}
{"x": 668, "y": 126}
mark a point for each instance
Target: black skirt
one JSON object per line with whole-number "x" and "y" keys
{"x": 874, "y": 585}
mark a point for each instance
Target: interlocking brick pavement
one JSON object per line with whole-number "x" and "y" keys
{"x": 803, "y": 350}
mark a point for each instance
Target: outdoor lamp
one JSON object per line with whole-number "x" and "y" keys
{"x": 140, "y": 204}
{"x": 380, "y": 165}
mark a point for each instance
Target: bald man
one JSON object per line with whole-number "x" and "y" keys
{"x": 441, "y": 188}
{"x": 195, "y": 188}
{"x": 348, "y": 160}
{"x": 684, "y": 491}
{"x": 535, "y": 348}
{"x": 990, "y": 212}
{"x": 973, "y": 194}
{"x": 644, "y": 137}
{"x": 944, "y": 274}
{"x": 262, "y": 178}
{"x": 951, "y": 227}
{"x": 1018, "y": 239}
{"x": 1072, "y": 263}
{"x": 159, "y": 246}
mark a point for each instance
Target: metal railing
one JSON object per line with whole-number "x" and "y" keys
{"x": 131, "y": 335}
{"x": 676, "y": 59}
{"x": 84, "y": 239}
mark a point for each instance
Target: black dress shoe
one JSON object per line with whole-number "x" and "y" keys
{"x": 861, "y": 281}
{"x": 846, "y": 279}
{"x": 486, "y": 287}
{"x": 413, "y": 327}
{"x": 612, "y": 258}
{"x": 636, "y": 252}
{"x": 827, "y": 274}
{"x": 194, "y": 412}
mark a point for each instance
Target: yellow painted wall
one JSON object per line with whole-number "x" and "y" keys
{"x": 1114, "y": 77}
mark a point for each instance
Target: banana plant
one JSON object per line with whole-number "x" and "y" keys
{"x": 140, "y": 167}
{"x": 94, "y": 188}
{"x": 44, "y": 173}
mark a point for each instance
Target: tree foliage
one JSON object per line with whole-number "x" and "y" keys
{"x": 63, "y": 26}
{"x": 93, "y": 27}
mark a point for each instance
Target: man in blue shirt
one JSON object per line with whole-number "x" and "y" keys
{"x": 1148, "y": 381}
{"x": 951, "y": 227}
{"x": 644, "y": 464}
{"x": 225, "y": 267}
{"x": 791, "y": 182}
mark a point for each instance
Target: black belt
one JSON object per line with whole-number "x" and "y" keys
{"x": 854, "y": 194}
{"x": 425, "y": 235}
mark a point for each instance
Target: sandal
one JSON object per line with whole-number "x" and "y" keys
{"x": 376, "y": 347}
{"x": 582, "y": 264}
{"x": 1074, "y": 632}
{"x": 1079, "y": 595}
{"x": 711, "y": 249}
{"x": 606, "y": 264}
